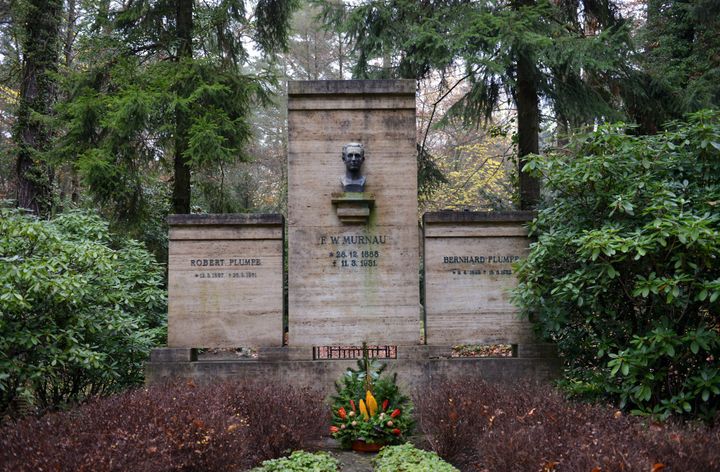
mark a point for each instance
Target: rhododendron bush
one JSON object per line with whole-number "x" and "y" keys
{"x": 625, "y": 273}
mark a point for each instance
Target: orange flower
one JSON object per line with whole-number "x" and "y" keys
{"x": 352, "y": 404}
{"x": 341, "y": 413}
{"x": 385, "y": 404}
{"x": 363, "y": 410}
{"x": 334, "y": 429}
{"x": 371, "y": 403}
{"x": 395, "y": 413}
{"x": 396, "y": 432}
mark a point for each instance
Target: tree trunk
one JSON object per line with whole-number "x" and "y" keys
{"x": 41, "y": 25}
{"x": 181, "y": 188}
{"x": 526, "y": 98}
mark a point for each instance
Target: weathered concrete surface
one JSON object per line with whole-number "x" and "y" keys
{"x": 271, "y": 219}
{"x": 351, "y": 87}
{"x": 412, "y": 373}
{"x": 350, "y": 283}
{"x": 225, "y": 280}
{"x": 468, "y": 277}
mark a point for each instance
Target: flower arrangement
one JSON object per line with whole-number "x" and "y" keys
{"x": 370, "y": 408}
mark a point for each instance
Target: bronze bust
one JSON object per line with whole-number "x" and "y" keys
{"x": 353, "y": 155}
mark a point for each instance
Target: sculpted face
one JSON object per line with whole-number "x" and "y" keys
{"x": 353, "y": 156}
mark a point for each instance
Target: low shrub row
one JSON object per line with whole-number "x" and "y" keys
{"x": 481, "y": 427}
{"x": 471, "y": 424}
{"x": 176, "y": 427}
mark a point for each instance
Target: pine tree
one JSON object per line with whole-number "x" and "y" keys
{"x": 39, "y": 31}
{"x": 164, "y": 87}
{"x": 681, "y": 57}
{"x": 516, "y": 51}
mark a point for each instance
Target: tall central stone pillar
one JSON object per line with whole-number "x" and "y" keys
{"x": 353, "y": 258}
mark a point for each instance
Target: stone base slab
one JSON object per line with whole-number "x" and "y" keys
{"x": 174, "y": 354}
{"x": 414, "y": 369}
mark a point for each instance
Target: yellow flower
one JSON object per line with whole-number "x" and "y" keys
{"x": 371, "y": 403}
{"x": 363, "y": 410}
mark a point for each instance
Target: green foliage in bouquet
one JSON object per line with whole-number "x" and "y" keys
{"x": 370, "y": 407}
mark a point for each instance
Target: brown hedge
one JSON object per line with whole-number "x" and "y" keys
{"x": 229, "y": 426}
{"x": 184, "y": 427}
{"x": 482, "y": 427}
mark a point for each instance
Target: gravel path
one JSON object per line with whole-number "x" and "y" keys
{"x": 354, "y": 461}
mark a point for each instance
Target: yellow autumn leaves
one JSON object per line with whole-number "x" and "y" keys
{"x": 369, "y": 406}
{"x": 477, "y": 177}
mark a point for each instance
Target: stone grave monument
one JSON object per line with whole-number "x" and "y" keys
{"x": 353, "y": 249}
{"x": 353, "y": 260}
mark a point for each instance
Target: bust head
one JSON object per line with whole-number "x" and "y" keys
{"x": 353, "y": 154}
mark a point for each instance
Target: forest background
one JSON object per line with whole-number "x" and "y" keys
{"x": 137, "y": 109}
{"x": 126, "y": 106}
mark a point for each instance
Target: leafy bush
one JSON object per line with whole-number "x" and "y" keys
{"x": 370, "y": 407}
{"x": 301, "y": 461}
{"x": 79, "y": 310}
{"x": 478, "y": 426}
{"x": 408, "y": 458}
{"x": 216, "y": 427}
{"x": 625, "y": 273}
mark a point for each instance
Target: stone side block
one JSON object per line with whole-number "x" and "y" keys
{"x": 225, "y": 281}
{"x": 469, "y": 273}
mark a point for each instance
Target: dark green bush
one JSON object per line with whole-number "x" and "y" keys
{"x": 625, "y": 273}
{"x": 301, "y": 461}
{"x": 79, "y": 310}
{"x": 408, "y": 458}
